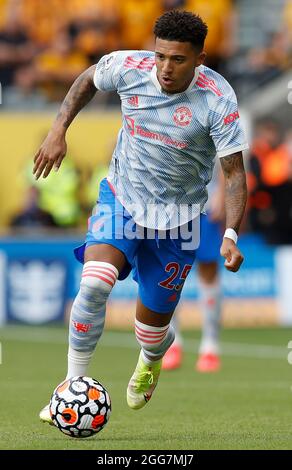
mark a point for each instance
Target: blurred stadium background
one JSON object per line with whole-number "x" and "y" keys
{"x": 44, "y": 45}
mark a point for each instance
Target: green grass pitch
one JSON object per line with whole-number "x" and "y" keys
{"x": 248, "y": 405}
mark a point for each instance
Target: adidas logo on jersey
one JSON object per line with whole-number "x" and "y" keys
{"x": 133, "y": 101}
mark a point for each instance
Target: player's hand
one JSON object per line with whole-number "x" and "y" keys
{"x": 49, "y": 155}
{"x": 232, "y": 255}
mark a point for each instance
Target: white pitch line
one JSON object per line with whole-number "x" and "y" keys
{"x": 127, "y": 340}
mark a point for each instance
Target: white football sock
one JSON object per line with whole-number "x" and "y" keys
{"x": 210, "y": 299}
{"x": 78, "y": 362}
{"x": 176, "y": 326}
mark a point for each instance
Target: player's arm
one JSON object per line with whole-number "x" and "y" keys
{"x": 216, "y": 207}
{"x": 235, "y": 202}
{"x": 54, "y": 147}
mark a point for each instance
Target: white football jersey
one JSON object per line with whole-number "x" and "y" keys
{"x": 166, "y": 148}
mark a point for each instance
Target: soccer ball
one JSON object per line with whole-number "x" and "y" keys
{"x": 80, "y": 407}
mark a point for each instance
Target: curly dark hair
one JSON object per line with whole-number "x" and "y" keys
{"x": 182, "y": 26}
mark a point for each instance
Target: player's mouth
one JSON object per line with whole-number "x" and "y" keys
{"x": 166, "y": 81}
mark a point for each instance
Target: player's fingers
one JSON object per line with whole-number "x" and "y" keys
{"x": 230, "y": 267}
{"x": 226, "y": 254}
{"x": 37, "y": 155}
{"x": 58, "y": 162}
{"x": 240, "y": 261}
{"x": 41, "y": 167}
{"x": 36, "y": 165}
{"x": 232, "y": 259}
{"x": 234, "y": 263}
{"x": 48, "y": 168}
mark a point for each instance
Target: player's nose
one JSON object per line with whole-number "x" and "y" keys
{"x": 167, "y": 67}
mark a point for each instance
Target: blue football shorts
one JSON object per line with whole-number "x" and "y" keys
{"x": 210, "y": 241}
{"x": 159, "y": 264}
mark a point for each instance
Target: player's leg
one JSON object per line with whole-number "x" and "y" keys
{"x": 174, "y": 355}
{"x": 207, "y": 257}
{"x": 161, "y": 270}
{"x": 210, "y": 300}
{"x": 105, "y": 257}
{"x": 155, "y": 336}
{"x": 102, "y": 264}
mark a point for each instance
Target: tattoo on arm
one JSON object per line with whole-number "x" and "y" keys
{"x": 235, "y": 189}
{"x": 80, "y": 93}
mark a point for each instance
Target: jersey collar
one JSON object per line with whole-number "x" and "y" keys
{"x": 154, "y": 79}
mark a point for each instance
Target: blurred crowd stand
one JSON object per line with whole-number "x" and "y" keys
{"x": 45, "y": 45}
{"x": 62, "y": 201}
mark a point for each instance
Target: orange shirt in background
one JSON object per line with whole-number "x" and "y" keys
{"x": 276, "y": 167}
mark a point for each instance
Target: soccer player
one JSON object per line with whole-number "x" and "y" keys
{"x": 177, "y": 116}
{"x": 207, "y": 262}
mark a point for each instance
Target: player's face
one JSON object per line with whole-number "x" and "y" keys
{"x": 176, "y": 63}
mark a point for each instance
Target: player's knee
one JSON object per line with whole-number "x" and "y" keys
{"x": 151, "y": 338}
{"x": 98, "y": 279}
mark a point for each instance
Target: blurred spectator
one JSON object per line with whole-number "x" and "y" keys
{"x": 44, "y": 19}
{"x": 267, "y": 136}
{"x": 137, "y": 22}
{"x": 265, "y": 63}
{"x": 277, "y": 176}
{"x": 16, "y": 49}
{"x": 278, "y": 52}
{"x": 277, "y": 168}
{"x": 264, "y": 47}
{"x": 270, "y": 182}
{"x": 59, "y": 194}
{"x": 93, "y": 180}
{"x": 259, "y": 21}
{"x": 221, "y": 18}
{"x": 32, "y": 216}
{"x": 96, "y": 175}
{"x": 94, "y": 27}
{"x": 54, "y": 69}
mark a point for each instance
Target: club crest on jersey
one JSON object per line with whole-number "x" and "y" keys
{"x": 182, "y": 116}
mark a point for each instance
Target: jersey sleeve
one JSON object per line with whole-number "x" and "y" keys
{"x": 225, "y": 126}
{"x": 109, "y": 70}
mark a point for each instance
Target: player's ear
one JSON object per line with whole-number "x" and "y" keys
{"x": 201, "y": 58}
